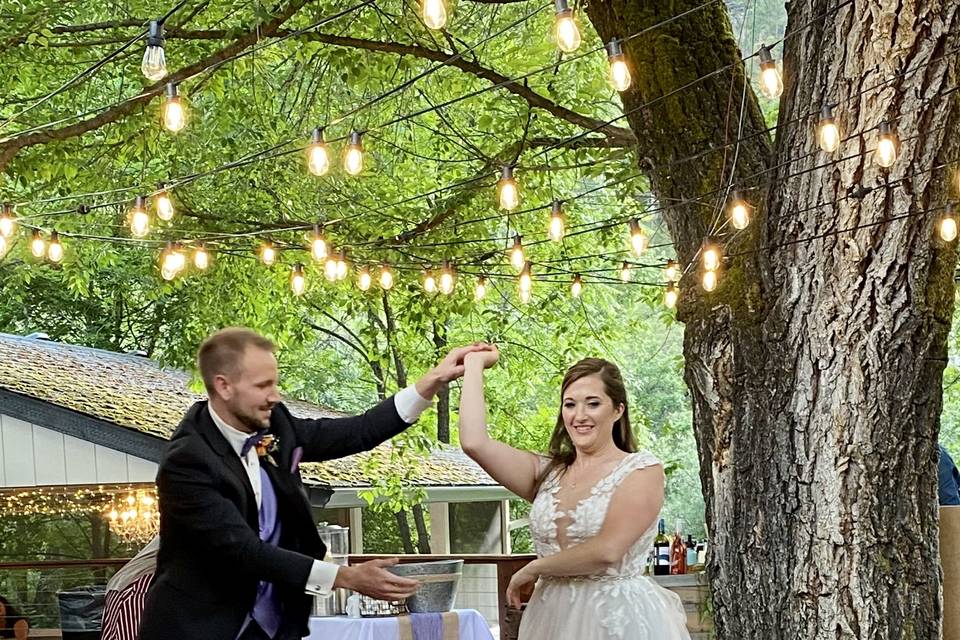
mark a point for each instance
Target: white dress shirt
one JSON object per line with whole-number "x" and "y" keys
{"x": 409, "y": 404}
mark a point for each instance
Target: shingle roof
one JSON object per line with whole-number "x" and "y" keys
{"x": 136, "y": 393}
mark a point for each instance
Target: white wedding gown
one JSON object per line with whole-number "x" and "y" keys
{"x": 622, "y": 604}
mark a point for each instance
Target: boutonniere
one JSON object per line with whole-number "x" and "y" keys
{"x": 268, "y": 445}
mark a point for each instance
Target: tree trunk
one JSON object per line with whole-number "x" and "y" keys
{"x": 423, "y": 536}
{"x": 404, "y": 528}
{"x": 815, "y": 367}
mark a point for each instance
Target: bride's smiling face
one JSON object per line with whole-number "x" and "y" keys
{"x": 589, "y": 414}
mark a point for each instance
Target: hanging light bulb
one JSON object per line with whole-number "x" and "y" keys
{"x": 353, "y": 157}
{"x": 54, "y": 249}
{"x": 297, "y": 282}
{"x": 619, "y": 71}
{"x": 318, "y": 245}
{"x": 268, "y": 253}
{"x": 37, "y": 245}
{"x": 828, "y": 134}
{"x": 164, "y": 204}
{"x": 154, "y": 65}
{"x": 447, "y": 278}
{"x": 739, "y": 211}
{"x": 3, "y": 246}
{"x": 343, "y": 269}
{"x": 556, "y": 222}
{"x": 201, "y": 259}
{"x": 139, "y": 218}
{"x": 709, "y": 280}
{"x": 565, "y": 28}
{"x": 429, "y": 282}
{"x": 330, "y": 268}
{"x": 481, "y": 291}
{"x": 887, "y": 146}
{"x": 7, "y": 222}
{"x": 507, "y": 192}
{"x": 363, "y": 279}
{"x": 526, "y": 280}
{"x": 625, "y": 271}
{"x": 318, "y": 157}
{"x": 670, "y": 295}
{"x": 173, "y": 261}
{"x": 174, "y": 117}
{"x": 386, "y": 277}
{"x": 638, "y": 239}
{"x": 711, "y": 257}
{"x": 517, "y": 258}
{"x": 434, "y": 14}
{"x": 577, "y": 287}
{"x": 771, "y": 84}
{"x": 671, "y": 271}
{"x": 948, "y": 225}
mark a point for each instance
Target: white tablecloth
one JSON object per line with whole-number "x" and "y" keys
{"x": 472, "y": 627}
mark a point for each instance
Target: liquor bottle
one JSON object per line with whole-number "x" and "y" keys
{"x": 691, "y": 551}
{"x": 678, "y": 554}
{"x": 661, "y": 551}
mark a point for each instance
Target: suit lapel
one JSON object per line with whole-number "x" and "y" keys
{"x": 231, "y": 460}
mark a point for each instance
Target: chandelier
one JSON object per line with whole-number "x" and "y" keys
{"x": 135, "y": 517}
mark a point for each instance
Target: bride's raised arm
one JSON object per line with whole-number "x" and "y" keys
{"x": 513, "y": 468}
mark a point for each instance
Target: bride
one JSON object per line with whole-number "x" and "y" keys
{"x": 596, "y": 501}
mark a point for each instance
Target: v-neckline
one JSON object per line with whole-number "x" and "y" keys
{"x": 589, "y": 494}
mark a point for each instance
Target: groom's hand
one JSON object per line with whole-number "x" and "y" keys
{"x": 371, "y": 579}
{"x": 448, "y": 369}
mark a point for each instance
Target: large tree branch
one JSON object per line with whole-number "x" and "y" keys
{"x": 11, "y": 147}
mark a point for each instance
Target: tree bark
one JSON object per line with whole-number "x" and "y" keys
{"x": 404, "y": 528}
{"x": 815, "y": 367}
{"x": 423, "y": 536}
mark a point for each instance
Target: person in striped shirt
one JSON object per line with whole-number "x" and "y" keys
{"x": 126, "y": 593}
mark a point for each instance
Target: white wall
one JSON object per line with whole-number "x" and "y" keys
{"x": 31, "y": 456}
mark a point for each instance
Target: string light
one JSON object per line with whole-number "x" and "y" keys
{"x": 507, "y": 189}
{"x": 353, "y": 157}
{"x": 164, "y": 204}
{"x": 172, "y": 261}
{"x": 386, "y": 277}
{"x": 318, "y": 157}
{"x": 298, "y": 283}
{"x": 7, "y": 221}
{"x": 268, "y": 253}
{"x": 434, "y": 14}
{"x": 556, "y": 222}
{"x": 174, "y": 117}
{"x": 135, "y": 519}
{"x": 526, "y": 282}
{"x": 771, "y": 84}
{"x": 671, "y": 271}
{"x": 429, "y": 282}
{"x": 739, "y": 211}
{"x": 343, "y": 269}
{"x": 480, "y": 292}
{"x": 201, "y": 259}
{"x": 37, "y": 245}
{"x": 948, "y": 224}
{"x": 139, "y": 218}
{"x": 828, "y": 134}
{"x": 55, "y": 249}
{"x": 330, "y": 268}
{"x": 318, "y": 245}
{"x": 576, "y": 288}
{"x": 709, "y": 280}
{"x": 363, "y": 279}
{"x": 625, "y": 272}
{"x": 711, "y": 256}
{"x": 887, "y": 146}
{"x": 154, "y": 64}
{"x": 517, "y": 257}
{"x": 670, "y": 295}
{"x": 565, "y": 28}
{"x": 619, "y": 71}
{"x": 447, "y": 278}
{"x": 638, "y": 239}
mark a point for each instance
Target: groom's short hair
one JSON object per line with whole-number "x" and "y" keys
{"x": 222, "y": 352}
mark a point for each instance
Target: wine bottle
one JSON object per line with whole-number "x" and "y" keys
{"x": 678, "y": 554}
{"x": 661, "y": 551}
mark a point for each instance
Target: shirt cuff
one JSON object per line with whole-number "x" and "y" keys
{"x": 320, "y": 580}
{"x": 410, "y": 404}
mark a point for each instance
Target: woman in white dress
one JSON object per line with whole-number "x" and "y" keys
{"x": 596, "y": 502}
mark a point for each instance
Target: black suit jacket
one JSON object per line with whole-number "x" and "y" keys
{"x": 211, "y": 556}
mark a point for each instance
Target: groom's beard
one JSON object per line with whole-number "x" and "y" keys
{"x": 252, "y": 421}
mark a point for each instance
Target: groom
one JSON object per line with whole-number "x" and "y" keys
{"x": 239, "y": 552}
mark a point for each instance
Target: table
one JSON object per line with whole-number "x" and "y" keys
{"x": 472, "y": 627}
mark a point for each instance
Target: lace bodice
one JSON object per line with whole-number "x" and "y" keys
{"x": 586, "y": 518}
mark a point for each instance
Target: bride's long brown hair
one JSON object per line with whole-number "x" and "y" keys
{"x": 562, "y": 453}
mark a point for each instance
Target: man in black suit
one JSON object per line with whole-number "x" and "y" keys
{"x": 239, "y": 553}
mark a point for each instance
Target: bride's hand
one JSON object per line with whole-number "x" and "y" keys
{"x": 520, "y": 588}
{"x": 488, "y": 356}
